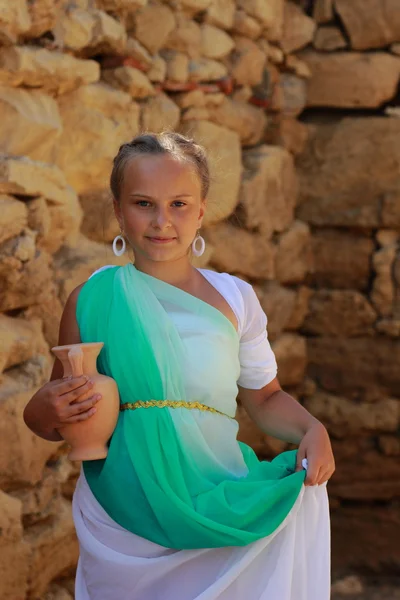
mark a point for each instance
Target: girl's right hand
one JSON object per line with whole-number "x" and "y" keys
{"x": 60, "y": 402}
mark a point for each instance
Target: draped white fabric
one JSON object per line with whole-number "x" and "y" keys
{"x": 291, "y": 564}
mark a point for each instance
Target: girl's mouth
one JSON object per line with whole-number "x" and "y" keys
{"x": 159, "y": 240}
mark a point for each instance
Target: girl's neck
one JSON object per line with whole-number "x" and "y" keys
{"x": 179, "y": 273}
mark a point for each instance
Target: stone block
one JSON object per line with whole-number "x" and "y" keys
{"x": 153, "y": 24}
{"x": 370, "y": 23}
{"x": 14, "y": 217}
{"x": 269, "y": 189}
{"x": 177, "y": 65}
{"x": 74, "y": 30}
{"x": 99, "y": 222}
{"x": 247, "y": 62}
{"x": 13, "y": 549}
{"x": 247, "y": 120}
{"x": 341, "y": 259}
{"x": 329, "y": 38}
{"x": 21, "y": 340}
{"x": 294, "y": 254}
{"x": 343, "y": 313}
{"x": 358, "y": 366}
{"x": 254, "y": 260}
{"x": 221, "y": 13}
{"x": 30, "y": 124}
{"x": 298, "y": 28}
{"x": 24, "y": 454}
{"x": 224, "y": 155}
{"x": 185, "y": 37}
{"x": 270, "y": 13}
{"x": 215, "y": 43}
{"x": 97, "y": 120}
{"x": 160, "y": 113}
{"x": 54, "y": 549}
{"x": 351, "y": 79}
{"x": 246, "y": 25}
{"x": 15, "y": 20}
{"x": 130, "y": 80}
{"x": 346, "y": 179}
{"x": 55, "y": 72}
{"x": 290, "y": 352}
{"x": 323, "y": 11}
{"x": 206, "y": 69}
{"x": 43, "y": 14}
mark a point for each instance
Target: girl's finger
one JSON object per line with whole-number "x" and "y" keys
{"x": 324, "y": 475}
{"x": 78, "y": 408}
{"x": 68, "y": 385}
{"x": 81, "y": 417}
{"x": 312, "y": 473}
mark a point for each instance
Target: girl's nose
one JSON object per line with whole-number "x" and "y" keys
{"x": 161, "y": 218}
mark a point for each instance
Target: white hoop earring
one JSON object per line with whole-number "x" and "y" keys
{"x": 123, "y": 246}
{"x": 200, "y": 251}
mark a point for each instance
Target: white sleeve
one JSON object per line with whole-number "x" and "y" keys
{"x": 101, "y": 269}
{"x": 257, "y": 360}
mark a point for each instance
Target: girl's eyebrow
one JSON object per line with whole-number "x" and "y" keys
{"x": 138, "y": 194}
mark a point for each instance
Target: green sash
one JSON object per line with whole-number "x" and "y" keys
{"x": 152, "y": 482}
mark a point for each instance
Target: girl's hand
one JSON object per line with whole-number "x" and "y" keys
{"x": 316, "y": 448}
{"x": 58, "y": 403}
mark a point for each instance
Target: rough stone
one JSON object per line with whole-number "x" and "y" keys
{"x": 293, "y": 257}
{"x": 39, "y": 68}
{"x": 221, "y": 13}
{"x": 129, "y": 80}
{"x": 177, "y": 65}
{"x": 344, "y": 417}
{"x": 74, "y": 29}
{"x": 351, "y": 79}
{"x": 26, "y": 454}
{"x": 54, "y": 549}
{"x": 30, "y": 124}
{"x": 290, "y": 96}
{"x": 14, "y": 550}
{"x": 247, "y": 62}
{"x": 108, "y": 35}
{"x": 99, "y": 222}
{"x": 74, "y": 264}
{"x": 43, "y": 14}
{"x": 269, "y": 13}
{"x": 97, "y": 120}
{"x": 123, "y": 7}
{"x": 246, "y": 25}
{"x": 298, "y": 28}
{"x": 22, "y": 282}
{"x": 14, "y": 217}
{"x": 389, "y": 444}
{"x": 383, "y": 288}
{"x": 358, "y": 365}
{"x": 185, "y": 37}
{"x": 395, "y": 49}
{"x": 136, "y": 50}
{"x": 21, "y": 340}
{"x": 14, "y": 20}
{"x": 323, "y": 11}
{"x": 370, "y": 23}
{"x": 248, "y": 121}
{"x": 224, "y": 154}
{"x": 153, "y": 24}
{"x": 215, "y": 43}
{"x": 341, "y": 259}
{"x": 256, "y": 257}
{"x": 290, "y": 351}
{"x": 348, "y": 586}
{"x": 346, "y": 179}
{"x": 278, "y": 303}
{"x": 329, "y": 38}
{"x": 206, "y": 69}
{"x": 288, "y": 133}
{"x": 269, "y": 189}
{"x": 49, "y": 311}
{"x": 160, "y": 113}
{"x": 297, "y": 66}
{"x": 343, "y": 313}
{"x": 158, "y": 70}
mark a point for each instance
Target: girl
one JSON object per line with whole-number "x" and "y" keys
{"x": 179, "y": 509}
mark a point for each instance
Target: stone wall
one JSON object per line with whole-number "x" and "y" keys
{"x": 304, "y": 204}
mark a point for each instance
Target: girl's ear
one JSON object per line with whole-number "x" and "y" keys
{"x": 117, "y": 212}
{"x": 203, "y": 206}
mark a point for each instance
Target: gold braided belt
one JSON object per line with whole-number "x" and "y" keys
{"x": 170, "y": 404}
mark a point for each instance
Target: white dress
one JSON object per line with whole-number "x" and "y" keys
{"x": 293, "y": 563}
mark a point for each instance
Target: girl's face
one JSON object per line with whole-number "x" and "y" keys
{"x": 160, "y": 207}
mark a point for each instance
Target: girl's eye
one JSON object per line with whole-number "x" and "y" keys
{"x": 142, "y": 202}
{"x": 180, "y": 202}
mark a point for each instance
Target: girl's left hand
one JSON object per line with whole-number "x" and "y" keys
{"x": 316, "y": 448}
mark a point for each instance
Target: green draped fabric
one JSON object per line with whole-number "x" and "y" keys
{"x": 152, "y": 482}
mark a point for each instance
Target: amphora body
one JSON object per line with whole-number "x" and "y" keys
{"x": 88, "y": 439}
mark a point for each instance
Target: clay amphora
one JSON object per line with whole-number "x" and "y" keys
{"x": 88, "y": 439}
